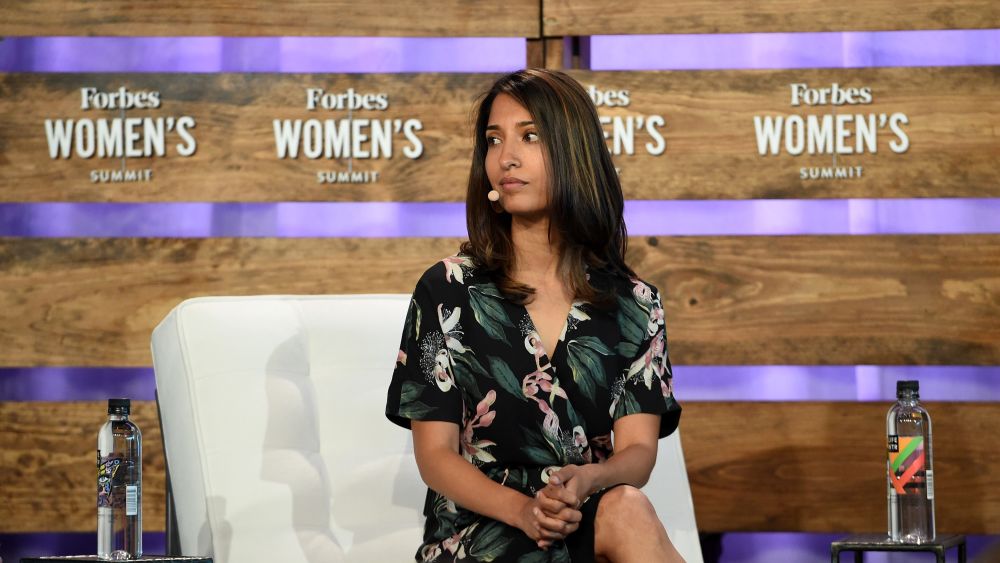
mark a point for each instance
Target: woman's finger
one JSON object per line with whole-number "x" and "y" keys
{"x": 549, "y": 504}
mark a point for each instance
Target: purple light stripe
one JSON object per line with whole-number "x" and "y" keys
{"x": 397, "y": 219}
{"x": 262, "y": 54}
{"x": 796, "y": 50}
{"x": 761, "y": 547}
{"x": 44, "y": 544}
{"x": 692, "y": 383}
{"x": 76, "y": 383}
{"x": 834, "y": 383}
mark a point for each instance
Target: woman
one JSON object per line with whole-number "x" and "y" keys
{"x": 521, "y": 354}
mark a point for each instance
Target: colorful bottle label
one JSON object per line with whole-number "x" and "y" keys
{"x": 906, "y": 462}
{"x": 110, "y": 477}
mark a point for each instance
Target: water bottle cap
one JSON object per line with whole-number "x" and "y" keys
{"x": 119, "y": 406}
{"x": 907, "y": 386}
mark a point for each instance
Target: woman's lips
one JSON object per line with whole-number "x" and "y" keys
{"x": 511, "y": 183}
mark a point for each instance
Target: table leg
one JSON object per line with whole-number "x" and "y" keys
{"x": 859, "y": 556}
{"x": 961, "y": 552}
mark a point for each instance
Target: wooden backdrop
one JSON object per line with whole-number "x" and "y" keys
{"x": 807, "y": 300}
{"x": 692, "y": 135}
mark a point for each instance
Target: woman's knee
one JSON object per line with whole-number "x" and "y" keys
{"x": 626, "y": 503}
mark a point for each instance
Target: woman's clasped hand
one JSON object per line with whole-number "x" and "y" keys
{"x": 555, "y": 510}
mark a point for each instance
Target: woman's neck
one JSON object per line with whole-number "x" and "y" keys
{"x": 536, "y": 258}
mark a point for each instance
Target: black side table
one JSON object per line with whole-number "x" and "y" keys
{"x": 874, "y": 542}
{"x": 95, "y": 559}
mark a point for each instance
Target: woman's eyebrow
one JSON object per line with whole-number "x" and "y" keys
{"x": 519, "y": 124}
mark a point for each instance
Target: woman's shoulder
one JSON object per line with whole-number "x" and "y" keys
{"x": 449, "y": 273}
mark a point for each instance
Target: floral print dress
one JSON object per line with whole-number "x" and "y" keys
{"x": 472, "y": 357}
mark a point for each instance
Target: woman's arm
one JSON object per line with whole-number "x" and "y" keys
{"x": 435, "y": 446}
{"x": 636, "y": 439}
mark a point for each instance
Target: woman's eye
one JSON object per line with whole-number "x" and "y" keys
{"x": 492, "y": 141}
{"x": 531, "y": 137}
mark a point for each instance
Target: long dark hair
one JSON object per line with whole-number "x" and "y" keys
{"x": 585, "y": 196}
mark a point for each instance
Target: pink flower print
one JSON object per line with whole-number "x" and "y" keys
{"x": 484, "y": 417}
{"x": 655, "y": 320}
{"x": 442, "y": 371}
{"x": 550, "y": 425}
{"x": 430, "y": 553}
{"x": 664, "y": 387}
{"x": 649, "y": 363}
{"x": 641, "y": 291}
{"x": 601, "y": 446}
{"x": 453, "y": 545}
{"x": 533, "y": 344}
{"x": 548, "y": 471}
{"x": 453, "y": 268}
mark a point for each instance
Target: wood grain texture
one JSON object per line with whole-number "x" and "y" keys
{"x": 707, "y": 129}
{"x": 236, "y": 157}
{"x": 712, "y": 149}
{"x": 594, "y": 17}
{"x": 820, "y": 467}
{"x": 799, "y": 300}
{"x": 807, "y": 467}
{"x": 48, "y": 456}
{"x": 260, "y": 18}
{"x": 807, "y": 300}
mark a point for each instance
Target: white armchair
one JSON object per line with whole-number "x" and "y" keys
{"x": 275, "y": 437}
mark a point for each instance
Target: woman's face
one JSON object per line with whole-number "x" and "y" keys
{"x": 515, "y": 159}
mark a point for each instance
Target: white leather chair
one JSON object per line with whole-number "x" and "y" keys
{"x": 276, "y": 442}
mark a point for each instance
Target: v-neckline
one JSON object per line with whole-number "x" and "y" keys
{"x": 549, "y": 354}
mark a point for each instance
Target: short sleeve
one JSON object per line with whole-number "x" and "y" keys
{"x": 647, "y": 376}
{"x": 422, "y": 386}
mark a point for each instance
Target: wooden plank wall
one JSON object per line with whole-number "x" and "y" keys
{"x": 802, "y": 300}
{"x": 801, "y": 466}
{"x": 263, "y": 18}
{"x": 593, "y": 17}
{"x": 911, "y": 300}
{"x": 691, "y": 135}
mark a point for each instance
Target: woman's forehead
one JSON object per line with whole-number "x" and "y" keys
{"x": 506, "y": 108}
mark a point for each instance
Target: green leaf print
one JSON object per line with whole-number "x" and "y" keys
{"x": 489, "y": 541}
{"x": 584, "y": 357}
{"x": 537, "y": 556}
{"x": 574, "y": 417}
{"x": 538, "y": 449}
{"x": 627, "y": 349}
{"x": 487, "y": 306}
{"x": 501, "y": 372}
{"x": 411, "y": 332}
{"x": 467, "y": 370}
{"x": 559, "y": 555}
{"x": 627, "y": 404}
{"x": 632, "y": 320}
{"x": 409, "y": 404}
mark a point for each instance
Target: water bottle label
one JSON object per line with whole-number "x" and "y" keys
{"x": 893, "y": 443}
{"x": 930, "y": 484}
{"x": 131, "y": 500}
{"x": 110, "y": 477}
{"x": 906, "y": 465}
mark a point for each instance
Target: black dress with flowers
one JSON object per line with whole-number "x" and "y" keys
{"x": 470, "y": 356}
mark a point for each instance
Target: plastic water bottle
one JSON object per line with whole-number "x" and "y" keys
{"x": 119, "y": 485}
{"x": 910, "y": 469}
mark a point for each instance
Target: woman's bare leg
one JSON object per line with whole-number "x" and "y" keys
{"x": 627, "y": 530}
